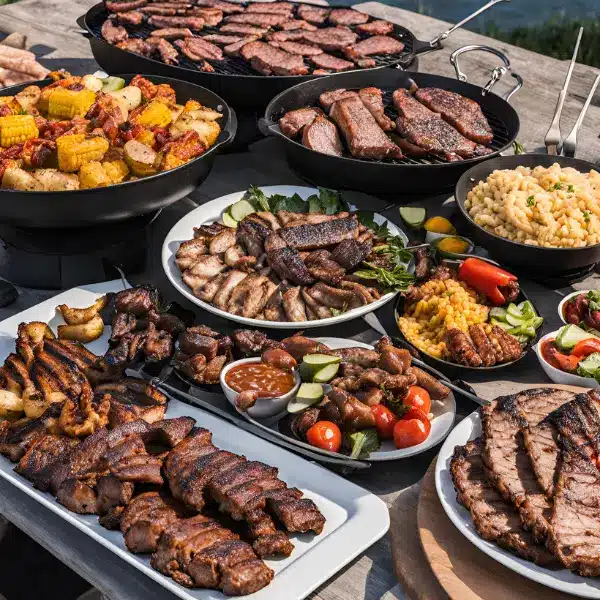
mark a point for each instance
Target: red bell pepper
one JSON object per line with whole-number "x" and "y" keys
{"x": 485, "y": 278}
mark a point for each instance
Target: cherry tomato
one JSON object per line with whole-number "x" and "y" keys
{"x": 414, "y": 412}
{"x": 385, "y": 420}
{"x": 419, "y": 397}
{"x": 325, "y": 435}
{"x": 586, "y": 347}
{"x": 410, "y": 432}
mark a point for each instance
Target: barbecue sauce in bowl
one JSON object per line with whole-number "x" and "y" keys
{"x": 267, "y": 380}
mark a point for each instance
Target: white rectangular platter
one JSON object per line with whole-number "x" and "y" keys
{"x": 355, "y": 517}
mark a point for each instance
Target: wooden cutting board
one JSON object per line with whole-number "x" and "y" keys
{"x": 434, "y": 561}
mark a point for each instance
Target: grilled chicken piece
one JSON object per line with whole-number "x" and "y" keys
{"x": 172, "y": 33}
{"x": 113, "y": 33}
{"x": 233, "y": 255}
{"x": 198, "y": 49}
{"x": 294, "y": 306}
{"x": 317, "y": 309}
{"x": 247, "y": 298}
{"x": 233, "y": 279}
{"x": 462, "y": 113}
{"x": 322, "y": 136}
{"x": 330, "y": 38}
{"x": 377, "y": 44}
{"x": 372, "y": 98}
{"x": 222, "y": 241}
{"x": 364, "y": 137}
{"x": 293, "y": 121}
{"x": 202, "y": 271}
{"x": 251, "y": 234}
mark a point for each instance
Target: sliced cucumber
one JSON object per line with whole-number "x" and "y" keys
{"x": 498, "y": 313}
{"x": 306, "y": 373}
{"x": 308, "y": 395}
{"x": 569, "y": 335}
{"x": 527, "y": 309}
{"x": 536, "y": 322}
{"x": 229, "y": 220}
{"x": 501, "y": 324}
{"x": 326, "y": 374}
{"x": 514, "y": 321}
{"x": 522, "y": 330}
{"x": 413, "y": 216}
{"x": 318, "y": 361}
{"x": 513, "y": 311}
{"x": 112, "y": 84}
{"x": 241, "y": 209}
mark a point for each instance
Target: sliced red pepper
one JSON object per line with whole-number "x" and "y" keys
{"x": 586, "y": 347}
{"x": 485, "y": 278}
{"x": 565, "y": 362}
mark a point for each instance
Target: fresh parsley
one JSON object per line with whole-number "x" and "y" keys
{"x": 367, "y": 218}
{"x": 593, "y": 298}
{"x": 557, "y": 186}
{"x": 290, "y": 203}
{"x": 530, "y": 201}
{"x": 257, "y": 198}
{"x": 336, "y": 312}
{"x": 394, "y": 247}
{"x": 570, "y": 188}
{"x": 327, "y": 202}
{"x": 396, "y": 279}
{"x": 586, "y": 215}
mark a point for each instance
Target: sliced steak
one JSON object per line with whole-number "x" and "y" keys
{"x": 272, "y": 61}
{"x": 347, "y": 16}
{"x": 495, "y": 519}
{"x": 313, "y": 14}
{"x": 234, "y": 49}
{"x": 462, "y": 113}
{"x": 243, "y": 29}
{"x": 197, "y": 49}
{"x": 322, "y": 136}
{"x": 298, "y": 48}
{"x": 293, "y": 121}
{"x": 541, "y": 443}
{"x": 378, "y": 44}
{"x": 331, "y": 38}
{"x": 377, "y": 27}
{"x": 372, "y": 98}
{"x": 326, "y": 99}
{"x": 364, "y": 137}
{"x": 331, "y": 63}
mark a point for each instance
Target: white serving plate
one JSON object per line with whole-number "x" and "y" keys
{"x": 212, "y": 211}
{"x": 355, "y": 517}
{"x": 444, "y": 414}
{"x": 560, "y": 579}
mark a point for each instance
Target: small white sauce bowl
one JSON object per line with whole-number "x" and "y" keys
{"x": 565, "y": 300}
{"x": 264, "y": 407}
{"x": 557, "y": 375}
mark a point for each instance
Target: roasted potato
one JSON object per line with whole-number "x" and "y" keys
{"x": 176, "y": 110}
{"x": 35, "y": 404}
{"x": 140, "y": 158}
{"x": 84, "y": 333}
{"x": 36, "y": 331}
{"x": 92, "y": 83}
{"x": 53, "y": 180}
{"x": 18, "y": 179}
{"x": 205, "y": 114}
{"x": 11, "y": 406}
{"x": 207, "y": 130}
{"x": 78, "y": 316}
{"x": 28, "y": 98}
{"x": 130, "y": 95}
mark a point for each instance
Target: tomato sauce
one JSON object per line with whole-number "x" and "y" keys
{"x": 549, "y": 348}
{"x": 267, "y": 380}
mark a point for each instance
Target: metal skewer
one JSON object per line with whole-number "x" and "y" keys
{"x": 553, "y": 137}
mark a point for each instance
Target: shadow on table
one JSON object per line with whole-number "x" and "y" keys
{"x": 75, "y": 66}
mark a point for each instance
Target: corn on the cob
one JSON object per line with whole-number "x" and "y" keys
{"x": 76, "y": 150}
{"x": 116, "y": 170}
{"x": 15, "y": 129}
{"x": 66, "y": 104}
{"x": 93, "y": 175}
{"x": 154, "y": 114}
{"x": 146, "y": 137}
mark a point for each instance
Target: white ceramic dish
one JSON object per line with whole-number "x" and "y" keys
{"x": 264, "y": 407}
{"x": 444, "y": 414}
{"x": 355, "y": 518}
{"x": 560, "y": 579}
{"x": 212, "y": 211}
{"x": 557, "y": 375}
{"x": 566, "y": 299}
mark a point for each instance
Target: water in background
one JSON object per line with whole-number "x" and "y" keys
{"x": 507, "y": 15}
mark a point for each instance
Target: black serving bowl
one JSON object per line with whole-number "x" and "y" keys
{"x": 77, "y": 208}
{"x": 454, "y": 369}
{"x": 543, "y": 262}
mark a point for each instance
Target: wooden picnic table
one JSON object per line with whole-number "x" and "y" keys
{"x": 53, "y": 34}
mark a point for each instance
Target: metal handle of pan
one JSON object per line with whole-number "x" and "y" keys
{"x": 266, "y": 127}
{"x": 436, "y": 42}
{"x": 497, "y": 73}
{"x": 231, "y": 128}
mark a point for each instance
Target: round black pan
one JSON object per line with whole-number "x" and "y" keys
{"x": 542, "y": 261}
{"x": 233, "y": 79}
{"x": 392, "y": 177}
{"x": 452, "y": 369}
{"x": 77, "y": 208}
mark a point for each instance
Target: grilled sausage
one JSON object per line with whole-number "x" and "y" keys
{"x": 461, "y": 349}
{"x": 483, "y": 345}
{"x": 437, "y": 390}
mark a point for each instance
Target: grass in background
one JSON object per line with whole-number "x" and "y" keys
{"x": 554, "y": 38}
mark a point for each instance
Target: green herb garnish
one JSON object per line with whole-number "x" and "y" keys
{"x": 257, "y": 198}
{"x": 362, "y": 443}
{"x": 518, "y": 147}
{"x": 396, "y": 279}
{"x": 336, "y": 312}
{"x": 367, "y": 218}
{"x": 557, "y": 186}
{"x": 586, "y": 215}
{"x": 570, "y": 188}
{"x": 530, "y": 201}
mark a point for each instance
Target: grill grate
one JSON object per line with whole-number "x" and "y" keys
{"x": 238, "y": 66}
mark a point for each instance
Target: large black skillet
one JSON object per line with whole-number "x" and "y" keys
{"x": 390, "y": 177}
{"x": 77, "y": 208}
{"x": 233, "y": 78}
{"x": 535, "y": 259}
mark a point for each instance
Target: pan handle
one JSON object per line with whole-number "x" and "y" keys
{"x": 436, "y": 42}
{"x": 497, "y": 73}
{"x": 266, "y": 127}
{"x": 231, "y": 128}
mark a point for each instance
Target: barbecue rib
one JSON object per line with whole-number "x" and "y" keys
{"x": 462, "y": 113}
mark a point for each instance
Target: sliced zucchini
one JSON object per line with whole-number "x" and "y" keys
{"x": 326, "y": 374}
{"x": 112, "y": 84}
{"x": 241, "y": 209}
{"x": 308, "y": 395}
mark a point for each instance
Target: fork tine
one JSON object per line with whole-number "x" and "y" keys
{"x": 569, "y": 144}
{"x": 553, "y": 137}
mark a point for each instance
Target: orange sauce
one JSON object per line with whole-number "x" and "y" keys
{"x": 548, "y": 349}
{"x": 267, "y": 380}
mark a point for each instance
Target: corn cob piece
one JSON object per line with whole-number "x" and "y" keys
{"x": 15, "y": 129}
{"x": 66, "y": 104}
{"x": 76, "y": 150}
{"x": 93, "y": 175}
{"x": 154, "y": 114}
{"x": 146, "y": 137}
{"x": 117, "y": 170}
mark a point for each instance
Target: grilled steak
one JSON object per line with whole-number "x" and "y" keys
{"x": 326, "y": 99}
{"x": 298, "y": 48}
{"x": 198, "y": 49}
{"x": 172, "y": 33}
{"x": 286, "y": 36}
{"x": 226, "y": 7}
{"x": 313, "y": 14}
{"x": 364, "y": 137}
{"x": 377, "y": 27}
{"x": 278, "y": 8}
{"x": 350, "y": 253}
{"x": 194, "y": 23}
{"x": 462, "y": 113}
{"x": 320, "y": 235}
{"x": 541, "y": 443}
{"x": 378, "y": 44}
{"x": 428, "y": 130}
{"x": 505, "y": 456}
{"x": 113, "y": 33}
{"x": 78, "y": 497}
{"x": 372, "y": 98}
{"x": 330, "y": 38}
{"x": 293, "y": 121}
{"x": 494, "y": 518}
{"x": 272, "y": 61}
{"x": 222, "y": 40}
{"x": 347, "y": 16}
{"x": 322, "y": 136}
{"x": 130, "y": 18}
{"x": 112, "y": 493}
{"x": 243, "y": 29}
{"x": 331, "y": 63}
{"x": 235, "y": 48}
{"x": 288, "y": 264}
{"x": 295, "y": 24}
{"x": 211, "y": 16}
{"x": 258, "y": 19}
